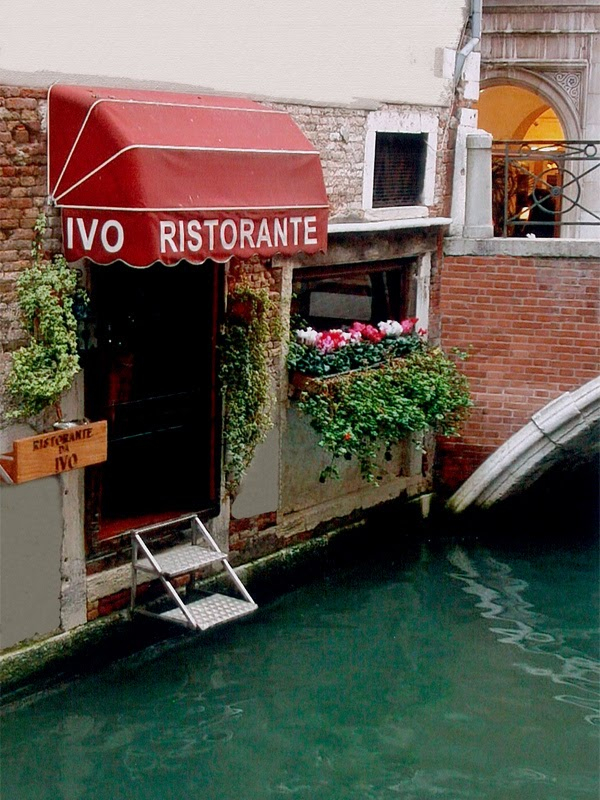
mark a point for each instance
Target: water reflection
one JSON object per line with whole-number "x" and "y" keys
{"x": 501, "y": 598}
{"x": 394, "y": 678}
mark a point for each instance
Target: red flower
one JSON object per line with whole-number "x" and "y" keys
{"x": 372, "y": 334}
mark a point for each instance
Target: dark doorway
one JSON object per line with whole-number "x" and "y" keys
{"x": 151, "y": 372}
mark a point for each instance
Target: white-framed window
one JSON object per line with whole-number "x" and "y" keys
{"x": 400, "y": 161}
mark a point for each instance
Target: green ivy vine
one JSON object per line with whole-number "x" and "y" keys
{"x": 250, "y": 327}
{"x": 45, "y": 367}
{"x": 360, "y": 414}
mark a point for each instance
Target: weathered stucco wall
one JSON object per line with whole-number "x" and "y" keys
{"x": 332, "y": 52}
{"x": 30, "y": 560}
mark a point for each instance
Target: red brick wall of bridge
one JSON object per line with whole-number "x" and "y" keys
{"x": 532, "y": 326}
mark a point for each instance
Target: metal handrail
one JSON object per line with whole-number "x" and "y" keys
{"x": 537, "y": 185}
{"x": 198, "y": 530}
{"x": 139, "y": 542}
{"x": 241, "y": 588}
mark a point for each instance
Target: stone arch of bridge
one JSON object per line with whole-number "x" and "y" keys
{"x": 544, "y": 87}
{"x": 566, "y": 429}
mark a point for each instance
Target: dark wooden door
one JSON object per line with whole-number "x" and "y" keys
{"x": 151, "y": 373}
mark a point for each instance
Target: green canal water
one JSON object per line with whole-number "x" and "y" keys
{"x": 455, "y": 669}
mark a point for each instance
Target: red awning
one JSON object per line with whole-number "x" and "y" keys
{"x": 153, "y": 176}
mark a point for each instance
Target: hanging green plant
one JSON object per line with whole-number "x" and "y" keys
{"x": 42, "y": 370}
{"x": 363, "y": 413}
{"x": 249, "y": 330}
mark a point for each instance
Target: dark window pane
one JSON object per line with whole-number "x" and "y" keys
{"x": 333, "y": 297}
{"x": 399, "y": 169}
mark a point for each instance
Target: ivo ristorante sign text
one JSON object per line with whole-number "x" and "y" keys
{"x": 141, "y": 238}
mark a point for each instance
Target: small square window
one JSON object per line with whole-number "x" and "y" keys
{"x": 399, "y": 169}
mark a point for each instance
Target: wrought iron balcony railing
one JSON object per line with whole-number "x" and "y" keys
{"x": 539, "y": 187}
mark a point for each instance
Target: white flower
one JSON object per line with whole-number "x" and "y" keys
{"x": 307, "y": 337}
{"x": 390, "y": 328}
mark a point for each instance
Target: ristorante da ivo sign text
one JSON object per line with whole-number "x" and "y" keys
{"x": 140, "y": 238}
{"x": 59, "y": 451}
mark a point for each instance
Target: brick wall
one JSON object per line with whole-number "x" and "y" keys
{"x": 22, "y": 187}
{"x": 532, "y": 326}
{"x": 22, "y": 197}
{"x": 339, "y": 136}
{"x": 259, "y": 275}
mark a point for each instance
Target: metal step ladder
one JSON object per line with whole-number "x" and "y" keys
{"x": 209, "y": 611}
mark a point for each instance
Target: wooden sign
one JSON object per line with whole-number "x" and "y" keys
{"x": 56, "y": 452}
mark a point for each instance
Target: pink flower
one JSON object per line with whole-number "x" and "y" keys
{"x": 408, "y": 325}
{"x": 328, "y": 341}
{"x": 325, "y": 343}
{"x": 367, "y": 332}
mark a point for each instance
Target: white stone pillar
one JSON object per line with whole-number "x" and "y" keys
{"x": 467, "y": 125}
{"x": 591, "y": 131}
{"x": 73, "y": 586}
{"x": 478, "y": 201}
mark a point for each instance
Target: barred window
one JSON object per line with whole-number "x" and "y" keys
{"x": 399, "y": 169}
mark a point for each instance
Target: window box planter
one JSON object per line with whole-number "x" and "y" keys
{"x": 362, "y": 413}
{"x": 299, "y": 382}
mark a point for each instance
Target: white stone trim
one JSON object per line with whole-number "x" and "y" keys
{"x": 423, "y": 291}
{"x": 399, "y": 122}
{"x": 467, "y": 125}
{"x": 388, "y": 225}
{"x": 523, "y": 248}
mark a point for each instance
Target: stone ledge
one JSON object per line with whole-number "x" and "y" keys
{"x": 370, "y": 226}
{"x": 523, "y": 248}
